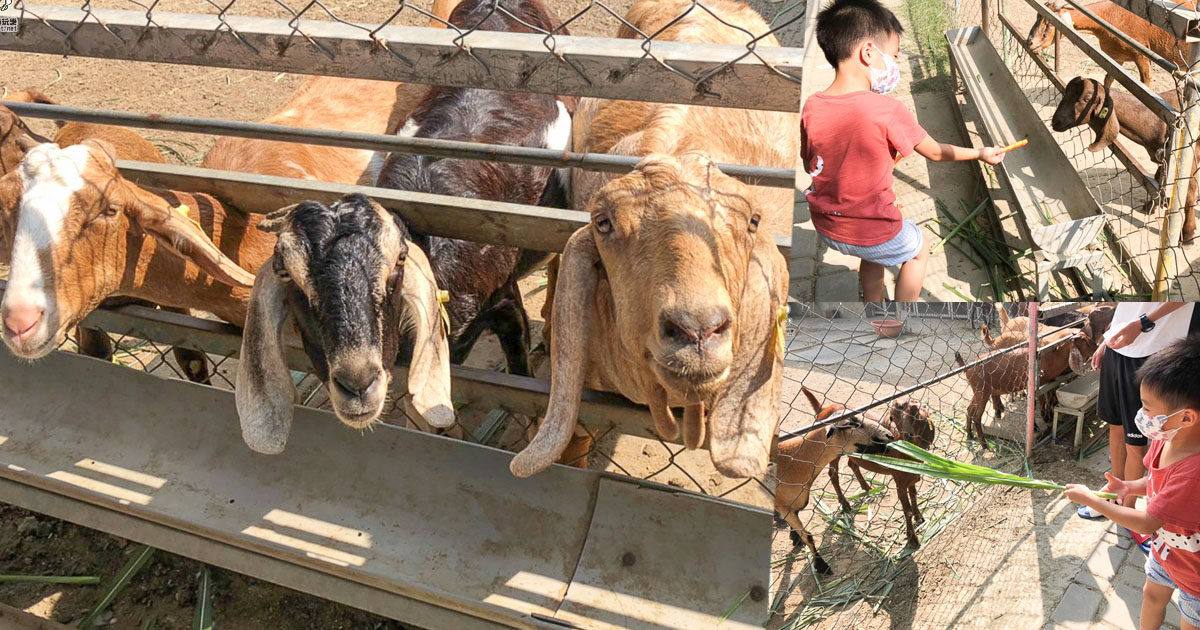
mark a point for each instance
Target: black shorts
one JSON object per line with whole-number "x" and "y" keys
{"x": 1119, "y": 399}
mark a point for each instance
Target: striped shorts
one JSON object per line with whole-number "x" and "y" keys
{"x": 902, "y": 248}
{"x": 1189, "y": 605}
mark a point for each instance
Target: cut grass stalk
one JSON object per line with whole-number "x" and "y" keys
{"x": 202, "y": 619}
{"x": 48, "y": 579}
{"x": 138, "y": 559}
{"x": 932, "y": 465}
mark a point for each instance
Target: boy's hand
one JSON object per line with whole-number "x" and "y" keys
{"x": 992, "y": 155}
{"x": 1117, "y": 487}
{"x": 1081, "y": 494}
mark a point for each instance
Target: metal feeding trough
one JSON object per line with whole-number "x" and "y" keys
{"x": 1062, "y": 218}
{"x": 424, "y": 529}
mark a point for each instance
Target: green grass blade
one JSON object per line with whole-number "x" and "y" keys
{"x": 734, "y": 607}
{"x": 48, "y": 579}
{"x": 203, "y": 618}
{"x": 138, "y": 559}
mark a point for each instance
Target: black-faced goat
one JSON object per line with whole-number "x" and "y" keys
{"x": 354, "y": 283}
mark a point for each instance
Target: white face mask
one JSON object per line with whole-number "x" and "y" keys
{"x": 1152, "y": 427}
{"x": 885, "y": 80}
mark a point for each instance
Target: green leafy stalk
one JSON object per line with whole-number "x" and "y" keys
{"x": 49, "y": 579}
{"x": 932, "y": 465}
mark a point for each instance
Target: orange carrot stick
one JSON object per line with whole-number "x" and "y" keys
{"x": 1016, "y": 145}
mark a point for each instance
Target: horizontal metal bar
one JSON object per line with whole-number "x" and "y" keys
{"x": 1148, "y": 182}
{"x": 1161, "y": 108}
{"x": 516, "y": 225}
{"x": 516, "y": 394}
{"x": 1177, "y": 20}
{"x": 757, "y": 175}
{"x": 766, "y": 77}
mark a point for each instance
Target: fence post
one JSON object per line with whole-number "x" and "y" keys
{"x": 984, "y": 23}
{"x": 1033, "y": 384}
{"x": 1181, "y": 156}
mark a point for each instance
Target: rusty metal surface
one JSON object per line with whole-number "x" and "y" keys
{"x": 423, "y": 517}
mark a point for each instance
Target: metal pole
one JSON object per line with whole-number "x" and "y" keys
{"x": 1033, "y": 372}
{"x": 984, "y": 23}
{"x": 757, "y": 175}
{"x": 1182, "y": 156}
{"x": 1057, "y": 56}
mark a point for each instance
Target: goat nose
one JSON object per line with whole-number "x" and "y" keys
{"x": 20, "y": 319}
{"x": 688, "y": 326}
{"x": 358, "y": 383}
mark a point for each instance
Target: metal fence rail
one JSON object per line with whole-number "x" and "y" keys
{"x": 751, "y": 76}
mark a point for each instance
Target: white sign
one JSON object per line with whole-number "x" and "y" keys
{"x": 8, "y": 17}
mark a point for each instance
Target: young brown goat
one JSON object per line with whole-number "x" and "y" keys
{"x": 905, "y": 420}
{"x": 1041, "y": 36}
{"x": 1006, "y": 372}
{"x": 1111, "y": 112}
{"x": 799, "y": 460}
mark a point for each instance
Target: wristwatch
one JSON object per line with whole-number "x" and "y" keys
{"x": 1147, "y": 325}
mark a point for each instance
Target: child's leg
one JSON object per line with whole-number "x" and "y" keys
{"x": 870, "y": 277}
{"x": 1155, "y": 598}
{"x": 912, "y": 275}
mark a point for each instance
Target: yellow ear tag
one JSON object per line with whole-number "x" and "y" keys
{"x": 184, "y": 210}
{"x": 443, "y": 297}
{"x": 781, "y": 330}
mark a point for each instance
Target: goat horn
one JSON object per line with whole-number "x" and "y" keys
{"x": 274, "y": 221}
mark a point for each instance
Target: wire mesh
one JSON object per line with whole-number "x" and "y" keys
{"x": 593, "y": 17}
{"x": 839, "y": 357}
{"x": 1135, "y": 212}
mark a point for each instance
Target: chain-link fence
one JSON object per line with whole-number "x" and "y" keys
{"x": 847, "y": 356}
{"x": 1127, "y": 141}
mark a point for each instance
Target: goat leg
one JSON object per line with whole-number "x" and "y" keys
{"x": 834, "y": 478}
{"x": 903, "y": 484}
{"x": 94, "y": 342}
{"x": 511, "y": 325}
{"x": 857, "y": 470}
{"x": 800, "y": 534}
{"x": 1189, "y": 209}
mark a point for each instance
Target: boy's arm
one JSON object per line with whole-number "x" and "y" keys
{"x": 1127, "y": 517}
{"x": 941, "y": 152}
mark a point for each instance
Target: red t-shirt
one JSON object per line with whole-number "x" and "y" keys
{"x": 1173, "y": 497}
{"x": 849, "y": 144}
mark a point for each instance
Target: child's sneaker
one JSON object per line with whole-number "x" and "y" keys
{"x": 1090, "y": 514}
{"x": 1142, "y": 540}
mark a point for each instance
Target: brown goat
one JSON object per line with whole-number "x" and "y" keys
{"x": 670, "y": 295}
{"x": 1111, "y": 112}
{"x": 1041, "y": 36}
{"x": 800, "y": 459}
{"x": 1006, "y": 372}
{"x": 905, "y": 420}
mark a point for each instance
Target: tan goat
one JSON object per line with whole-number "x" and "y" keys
{"x": 799, "y": 460}
{"x": 1041, "y": 36}
{"x": 905, "y": 420}
{"x": 670, "y": 295}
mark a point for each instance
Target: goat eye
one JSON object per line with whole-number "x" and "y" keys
{"x": 603, "y": 224}
{"x": 754, "y": 220}
{"x": 111, "y": 211}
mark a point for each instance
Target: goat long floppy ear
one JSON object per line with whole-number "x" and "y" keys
{"x": 574, "y": 301}
{"x": 177, "y": 230}
{"x": 744, "y": 417}
{"x": 264, "y": 391}
{"x": 11, "y": 189}
{"x": 1105, "y": 114}
{"x": 429, "y": 372}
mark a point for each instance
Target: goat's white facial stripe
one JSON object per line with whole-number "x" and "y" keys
{"x": 51, "y": 176}
{"x": 558, "y": 134}
{"x": 410, "y": 129}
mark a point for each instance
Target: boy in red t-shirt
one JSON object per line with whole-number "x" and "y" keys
{"x": 850, "y": 135}
{"x": 1170, "y": 417}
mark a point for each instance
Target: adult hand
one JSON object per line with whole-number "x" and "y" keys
{"x": 1126, "y": 335}
{"x": 1098, "y": 355}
